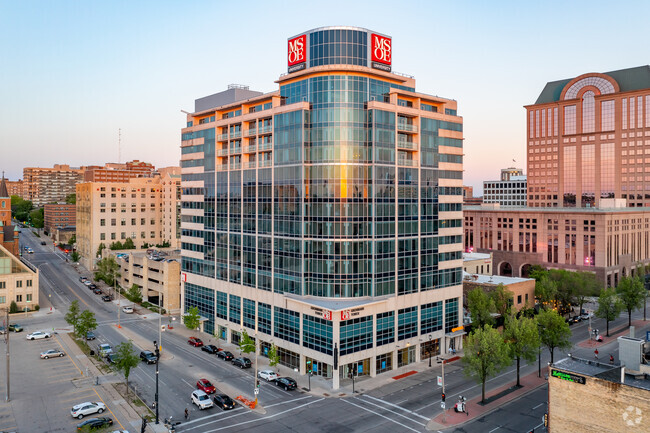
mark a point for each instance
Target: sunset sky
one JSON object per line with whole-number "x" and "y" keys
{"x": 73, "y": 73}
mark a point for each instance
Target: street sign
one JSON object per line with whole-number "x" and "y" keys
{"x": 439, "y": 380}
{"x": 442, "y": 405}
{"x": 257, "y": 391}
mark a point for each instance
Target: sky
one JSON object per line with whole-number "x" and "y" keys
{"x": 89, "y": 82}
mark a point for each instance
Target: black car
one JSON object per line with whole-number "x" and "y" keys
{"x": 223, "y": 401}
{"x": 42, "y": 242}
{"x": 210, "y": 348}
{"x": 92, "y": 286}
{"x": 242, "y": 362}
{"x": 110, "y": 358}
{"x": 90, "y": 335}
{"x": 148, "y": 357}
{"x": 97, "y": 291}
{"x": 93, "y": 423}
{"x": 286, "y": 382}
{"x": 226, "y": 355}
{"x": 107, "y": 298}
{"x": 573, "y": 319}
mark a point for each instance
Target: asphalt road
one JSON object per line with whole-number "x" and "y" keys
{"x": 400, "y": 406}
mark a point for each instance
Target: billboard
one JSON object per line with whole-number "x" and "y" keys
{"x": 297, "y": 53}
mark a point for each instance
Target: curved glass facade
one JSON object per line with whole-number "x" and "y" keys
{"x": 338, "y": 47}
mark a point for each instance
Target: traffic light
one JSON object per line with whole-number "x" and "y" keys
{"x": 308, "y": 366}
{"x": 257, "y": 383}
{"x": 443, "y": 397}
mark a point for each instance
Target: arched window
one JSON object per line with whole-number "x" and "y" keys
{"x": 588, "y": 112}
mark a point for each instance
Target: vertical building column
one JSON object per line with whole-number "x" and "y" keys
{"x": 336, "y": 337}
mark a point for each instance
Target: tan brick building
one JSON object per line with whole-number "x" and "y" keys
{"x": 18, "y": 282}
{"x": 15, "y": 187}
{"x": 117, "y": 172}
{"x": 59, "y": 215}
{"x": 50, "y": 185}
{"x": 171, "y": 212}
{"x": 523, "y": 289}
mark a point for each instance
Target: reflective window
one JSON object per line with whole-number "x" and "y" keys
{"x": 624, "y": 109}
{"x": 632, "y": 117}
{"x": 588, "y": 112}
{"x": 356, "y": 335}
{"x": 607, "y": 116}
{"x": 570, "y": 119}
{"x": 607, "y": 170}
{"x": 588, "y": 175}
{"x": 569, "y": 174}
{"x": 600, "y": 83}
{"x": 338, "y": 46}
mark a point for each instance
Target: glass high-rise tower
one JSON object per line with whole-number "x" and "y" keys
{"x": 325, "y": 217}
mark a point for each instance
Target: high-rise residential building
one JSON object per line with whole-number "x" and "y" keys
{"x": 58, "y": 216}
{"x": 118, "y": 172}
{"x": 588, "y": 139}
{"x": 171, "y": 211}
{"x": 50, "y": 185}
{"x": 509, "y": 191}
{"x": 110, "y": 212}
{"x": 325, "y": 217}
{"x": 15, "y": 187}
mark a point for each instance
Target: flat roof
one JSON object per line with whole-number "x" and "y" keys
{"x": 601, "y": 370}
{"x": 335, "y": 305}
{"x": 585, "y": 210}
{"x": 493, "y": 279}
{"x": 475, "y": 256}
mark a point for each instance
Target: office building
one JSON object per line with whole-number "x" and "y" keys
{"x": 171, "y": 202}
{"x": 118, "y": 172}
{"x": 58, "y": 216}
{"x": 589, "y": 139}
{"x": 50, "y": 185}
{"x": 325, "y": 217}
{"x": 468, "y": 196}
{"x": 510, "y": 190}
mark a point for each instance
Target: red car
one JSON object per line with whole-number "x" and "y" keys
{"x": 196, "y": 342}
{"x": 205, "y": 386}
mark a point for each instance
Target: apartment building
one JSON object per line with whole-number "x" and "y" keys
{"x": 58, "y": 216}
{"x": 118, "y": 172}
{"x": 50, "y": 185}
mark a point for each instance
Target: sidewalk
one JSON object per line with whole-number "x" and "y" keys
{"x": 639, "y": 326}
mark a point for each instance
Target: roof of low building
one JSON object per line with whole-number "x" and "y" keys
{"x": 493, "y": 279}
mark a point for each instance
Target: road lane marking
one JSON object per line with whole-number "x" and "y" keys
{"x": 396, "y": 413}
{"x": 69, "y": 357}
{"x": 378, "y": 414}
{"x": 494, "y": 429}
{"x": 285, "y": 402}
{"x": 541, "y": 404}
{"x": 397, "y": 407}
{"x": 109, "y": 409}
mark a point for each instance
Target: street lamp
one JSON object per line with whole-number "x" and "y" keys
{"x": 155, "y": 343}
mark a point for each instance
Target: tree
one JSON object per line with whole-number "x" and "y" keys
{"x": 20, "y": 208}
{"x": 108, "y": 270}
{"x": 75, "y": 257}
{"x": 481, "y": 307}
{"x": 73, "y": 239}
{"x": 128, "y": 244}
{"x": 522, "y": 336}
{"x": 100, "y": 248}
{"x": 134, "y": 294}
{"x": 71, "y": 198}
{"x": 502, "y": 299}
{"x": 586, "y": 284}
{"x": 246, "y": 344}
{"x": 192, "y": 318}
{"x": 126, "y": 359}
{"x": 486, "y": 353}
{"x": 609, "y": 306}
{"x": 13, "y": 307}
{"x": 117, "y": 245}
{"x": 37, "y": 218}
{"x": 73, "y": 314}
{"x": 274, "y": 357}
{"x": 564, "y": 282}
{"x": 545, "y": 291}
{"x": 537, "y": 272}
{"x": 554, "y": 331}
{"x": 631, "y": 292}
{"x": 86, "y": 322}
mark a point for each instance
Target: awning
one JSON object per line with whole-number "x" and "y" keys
{"x": 455, "y": 333}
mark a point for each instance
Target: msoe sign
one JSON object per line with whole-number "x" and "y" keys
{"x": 381, "y": 52}
{"x": 297, "y": 53}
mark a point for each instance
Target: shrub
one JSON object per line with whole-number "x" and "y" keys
{"x": 37, "y": 307}
{"x": 13, "y": 307}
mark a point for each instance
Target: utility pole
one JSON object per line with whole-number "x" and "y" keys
{"x": 442, "y": 403}
{"x": 118, "y": 298}
{"x": 257, "y": 379}
{"x": 7, "y": 348}
{"x": 155, "y": 343}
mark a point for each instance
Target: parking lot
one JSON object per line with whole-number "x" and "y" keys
{"x": 44, "y": 390}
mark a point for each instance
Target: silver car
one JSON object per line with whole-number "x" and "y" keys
{"x": 201, "y": 399}
{"x": 52, "y": 353}
{"x": 87, "y": 408}
{"x": 38, "y": 335}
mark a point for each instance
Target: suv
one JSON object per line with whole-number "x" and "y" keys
{"x": 286, "y": 382}
{"x": 226, "y": 355}
{"x": 194, "y": 341}
{"x": 148, "y": 357}
{"x": 90, "y": 335}
{"x": 104, "y": 349}
{"x": 201, "y": 399}
{"x": 87, "y": 408}
{"x": 242, "y": 362}
{"x": 268, "y": 375}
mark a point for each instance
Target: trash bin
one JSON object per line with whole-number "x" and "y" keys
{"x": 92, "y": 352}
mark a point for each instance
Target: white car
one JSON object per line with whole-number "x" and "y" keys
{"x": 104, "y": 349}
{"x": 268, "y": 375}
{"x": 87, "y": 282}
{"x": 87, "y": 408}
{"x": 128, "y": 310}
{"x": 38, "y": 335}
{"x": 201, "y": 399}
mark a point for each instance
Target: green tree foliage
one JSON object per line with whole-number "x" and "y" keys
{"x": 192, "y": 318}
{"x": 73, "y": 314}
{"x": 128, "y": 244}
{"x": 134, "y": 294}
{"x": 486, "y": 353}
{"x": 545, "y": 291}
{"x": 73, "y": 239}
{"x": 481, "y": 307}
{"x": 20, "y": 208}
{"x": 100, "y": 248}
{"x": 108, "y": 270}
{"x": 537, "y": 272}
{"x": 126, "y": 359}
{"x": 274, "y": 357}
{"x": 631, "y": 292}
{"x": 586, "y": 284}
{"x": 522, "y": 337}
{"x": 554, "y": 331}
{"x": 564, "y": 282}
{"x": 13, "y": 307}
{"x": 117, "y": 245}
{"x": 75, "y": 257}
{"x": 246, "y": 344}
{"x": 86, "y": 322}
{"x": 165, "y": 244}
{"x": 609, "y": 306}
{"x": 503, "y": 300}
{"x": 37, "y": 218}
{"x": 71, "y": 199}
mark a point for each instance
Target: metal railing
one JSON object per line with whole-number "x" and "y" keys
{"x": 404, "y": 144}
{"x": 235, "y": 134}
{"x": 250, "y": 149}
{"x": 222, "y": 137}
{"x": 265, "y": 146}
{"x": 235, "y": 150}
{"x": 250, "y": 164}
{"x": 265, "y": 163}
{"x": 407, "y": 162}
{"x": 249, "y": 132}
{"x": 235, "y": 165}
{"x": 403, "y": 126}
{"x": 222, "y": 152}
{"x": 265, "y": 129}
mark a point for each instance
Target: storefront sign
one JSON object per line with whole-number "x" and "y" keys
{"x": 568, "y": 376}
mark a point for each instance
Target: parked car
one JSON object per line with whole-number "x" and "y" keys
{"x": 268, "y": 375}
{"x": 92, "y": 286}
{"x": 37, "y": 335}
{"x": 201, "y": 399}
{"x": 95, "y": 423}
{"x": 82, "y": 279}
{"x": 15, "y": 327}
{"x": 225, "y": 355}
{"x": 573, "y": 319}
{"x": 43, "y": 243}
{"x": 210, "y": 348}
{"x": 87, "y": 408}
{"x": 194, "y": 341}
{"x": 104, "y": 349}
{"x": 205, "y": 386}
{"x": 87, "y": 282}
{"x": 97, "y": 291}
{"x": 110, "y": 358}
{"x": 107, "y": 298}
{"x": 52, "y": 353}
{"x": 128, "y": 310}
{"x": 242, "y": 362}
{"x": 286, "y": 382}
{"x": 223, "y": 401}
{"x": 586, "y": 315}
{"x": 148, "y": 356}
{"x": 3, "y": 330}
{"x": 90, "y": 336}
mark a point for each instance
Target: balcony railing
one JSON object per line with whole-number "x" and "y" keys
{"x": 222, "y": 167}
{"x": 250, "y": 164}
{"x": 235, "y": 165}
{"x": 405, "y": 144}
{"x": 403, "y": 126}
{"x": 250, "y": 132}
{"x": 222, "y": 152}
{"x": 265, "y": 129}
{"x": 250, "y": 149}
{"x": 235, "y": 150}
{"x": 265, "y": 146}
{"x": 407, "y": 162}
{"x": 235, "y": 134}
{"x": 222, "y": 137}
{"x": 265, "y": 163}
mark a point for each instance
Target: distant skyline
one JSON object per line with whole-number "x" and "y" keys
{"x": 73, "y": 73}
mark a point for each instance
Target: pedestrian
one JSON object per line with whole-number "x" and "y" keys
{"x": 611, "y": 359}
{"x": 596, "y": 353}
{"x": 187, "y": 413}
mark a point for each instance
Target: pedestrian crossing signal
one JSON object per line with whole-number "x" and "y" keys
{"x": 443, "y": 396}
